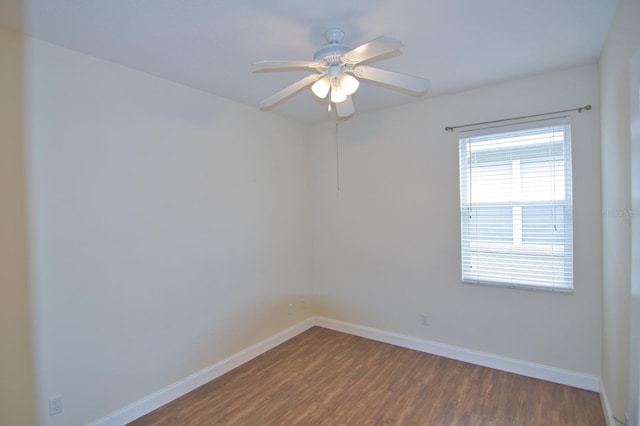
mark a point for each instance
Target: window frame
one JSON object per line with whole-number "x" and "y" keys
{"x": 566, "y": 284}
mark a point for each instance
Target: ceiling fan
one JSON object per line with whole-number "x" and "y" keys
{"x": 338, "y": 67}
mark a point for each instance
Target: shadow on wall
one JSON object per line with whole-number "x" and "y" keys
{"x": 17, "y": 389}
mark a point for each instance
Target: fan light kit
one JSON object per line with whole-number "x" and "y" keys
{"x": 336, "y": 67}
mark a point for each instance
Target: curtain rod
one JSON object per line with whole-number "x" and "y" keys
{"x": 451, "y": 128}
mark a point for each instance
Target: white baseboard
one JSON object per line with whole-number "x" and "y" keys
{"x": 606, "y": 406}
{"x": 524, "y": 368}
{"x": 186, "y": 385}
{"x": 180, "y": 388}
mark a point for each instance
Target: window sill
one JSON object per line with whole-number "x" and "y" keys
{"x": 544, "y": 289}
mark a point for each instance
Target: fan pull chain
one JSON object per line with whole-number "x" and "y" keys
{"x": 337, "y": 159}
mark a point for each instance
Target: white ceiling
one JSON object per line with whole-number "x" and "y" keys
{"x": 210, "y": 44}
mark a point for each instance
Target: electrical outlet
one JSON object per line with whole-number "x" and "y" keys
{"x": 290, "y": 309}
{"x": 424, "y": 319}
{"x": 55, "y": 405}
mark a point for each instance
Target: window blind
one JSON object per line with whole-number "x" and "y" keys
{"x": 516, "y": 207}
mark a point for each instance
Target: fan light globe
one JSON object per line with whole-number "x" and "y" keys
{"x": 338, "y": 95}
{"x": 321, "y": 87}
{"x": 349, "y": 84}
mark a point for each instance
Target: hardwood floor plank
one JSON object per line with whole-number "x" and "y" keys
{"x": 323, "y": 377}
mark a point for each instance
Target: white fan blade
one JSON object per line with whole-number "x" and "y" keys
{"x": 289, "y": 91}
{"x": 375, "y": 47}
{"x": 345, "y": 108}
{"x": 285, "y": 65}
{"x": 409, "y": 83}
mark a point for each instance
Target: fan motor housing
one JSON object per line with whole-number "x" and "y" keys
{"x": 331, "y": 53}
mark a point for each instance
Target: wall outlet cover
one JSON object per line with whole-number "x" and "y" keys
{"x": 55, "y": 405}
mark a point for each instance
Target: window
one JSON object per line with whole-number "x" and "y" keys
{"x": 516, "y": 207}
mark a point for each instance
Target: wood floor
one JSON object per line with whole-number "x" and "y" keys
{"x": 323, "y": 377}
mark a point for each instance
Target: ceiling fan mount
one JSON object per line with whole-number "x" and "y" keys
{"x": 336, "y": 67}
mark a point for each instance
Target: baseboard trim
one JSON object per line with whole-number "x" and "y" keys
{"x": 186, "y": 385}
{"x": 524, "y": 368}
{"x": 606, "y": 406}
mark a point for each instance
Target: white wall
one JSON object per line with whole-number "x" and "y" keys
{"x": 622, "y": 42}
{"x": 170, "y": 229}
{"x": 387, "y": 245}
{"x": 17, "y": 387}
